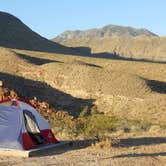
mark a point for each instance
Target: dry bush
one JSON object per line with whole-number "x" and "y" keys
{"x": 106, "y": 143}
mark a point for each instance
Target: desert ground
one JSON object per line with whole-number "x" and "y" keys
{"x": 131, "y": 91}
{"x": 144, "y": 149}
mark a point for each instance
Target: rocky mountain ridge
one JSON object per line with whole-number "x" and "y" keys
{"x": 106, "y": 31}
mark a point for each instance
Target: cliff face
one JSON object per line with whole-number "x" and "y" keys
{"x": 137, "y": 48}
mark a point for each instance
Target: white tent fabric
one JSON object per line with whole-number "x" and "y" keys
{"x": 10, "y": 127}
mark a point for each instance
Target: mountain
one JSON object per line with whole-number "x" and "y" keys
{"x": 109, "y": 30}
{"x": 117, "y": 42}
{"x": 15, "y": 34}
{"x": 142, "y": 48}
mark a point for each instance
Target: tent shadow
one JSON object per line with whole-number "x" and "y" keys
{"x": 28, "y": 89}
{"x": 70, "y": 146}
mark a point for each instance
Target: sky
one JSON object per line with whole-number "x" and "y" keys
{"x": 52, "y": 17}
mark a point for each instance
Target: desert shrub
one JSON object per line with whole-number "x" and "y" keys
{"x": 94, "y": 110}
{"x": 99, "y": 125}
{"x": 142, "y": 124}
{"x": 95, "y": 124}
{"x": 88, "y": 124}
{"x": 84, "y": 112}
{"x": 63, "y": 125}
{"x": 128, "y": 125}
{"x": 106, "y": 143}
{"x": 81, "y": 125}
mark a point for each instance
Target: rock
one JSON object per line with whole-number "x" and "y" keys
{"x": 155, "y": 129}
{"x": 13, "y": 94}
{"x": 1, "y": 83}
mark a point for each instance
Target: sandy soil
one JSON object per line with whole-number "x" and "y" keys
{"x": 140, "y": 150}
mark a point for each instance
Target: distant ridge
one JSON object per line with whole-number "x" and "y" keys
{"x": 118, "y": 42}
{"x": 106, "y": 31}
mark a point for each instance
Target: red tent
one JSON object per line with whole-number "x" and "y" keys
{"x": 22, "y": 127}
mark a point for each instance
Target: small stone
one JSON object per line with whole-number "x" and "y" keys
{"x": 155, "y": 129}
{"x": 133, "y": 148}
{"x": 1, "y": 83}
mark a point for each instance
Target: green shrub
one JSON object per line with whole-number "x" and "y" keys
{"x": 94, "y": 110}
{"x": 84, "y": 112}
{"x": 95, "y": 123}
{"x": 89, "y": 124}
{"x": 99, "y": 125}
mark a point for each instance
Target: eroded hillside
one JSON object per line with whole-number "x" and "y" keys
{"x": 145, "y": 48}
{"x": 131, "y": 90}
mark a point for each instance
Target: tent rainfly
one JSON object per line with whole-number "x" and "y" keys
{"x": 22, "y": 127}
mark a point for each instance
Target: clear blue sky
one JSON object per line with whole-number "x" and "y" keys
{"x": 51, "y": 17}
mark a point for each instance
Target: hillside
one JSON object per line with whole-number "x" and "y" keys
{"x": 144, "y": 48}
{"x": 15, "y": 34}
{"x": 106, "y": 31}
{"x": 87, "y": 80}
{"x": 117, "y": 42}
{"x": 112, "y": 85}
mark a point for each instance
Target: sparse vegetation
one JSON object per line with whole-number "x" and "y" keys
{"x": 92, "y": 125}
{"x": 134, "y": 125}
{"x": 132, "y": 99}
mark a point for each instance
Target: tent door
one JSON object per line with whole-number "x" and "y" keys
{"x": 33, "y": 128}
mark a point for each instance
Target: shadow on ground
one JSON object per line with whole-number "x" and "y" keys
{"x": 108, "y": 55}
{"x": 36, "y": 61}
{"x": 70, "y": 146}
{"x": 143, "y": 141}
{"x": 88, "y": 64}
{"x": 141, "y": 155}
{"x": 29, "y": 89}
{"x": 157, "y": 86}
{"x": 52, "y": 47}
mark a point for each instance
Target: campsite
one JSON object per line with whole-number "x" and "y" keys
{"x": 82, "y": 83}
